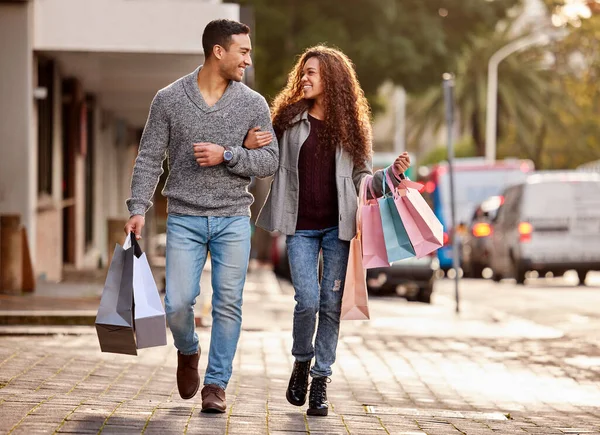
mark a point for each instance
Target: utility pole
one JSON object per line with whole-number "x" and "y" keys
{"x": 448, "y": 85}
{"x": 400, "y": 120}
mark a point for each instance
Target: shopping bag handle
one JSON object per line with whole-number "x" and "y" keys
{"x": 399, "y": 176}
{"x": 131, "y": 241}
{"x": 371, "y": 188}
{"x": 362, "y": 196}
{"x": 404, "y": 184}
{"x": 386, "y": 176}
{"x": 367, "y": 180}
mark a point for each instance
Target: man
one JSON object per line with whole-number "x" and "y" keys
{"x": 199, "y": 123}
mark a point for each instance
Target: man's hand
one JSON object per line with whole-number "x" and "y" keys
{"x": 402, "y": 163}
{"x": 135, "y": 225}
{"x": 257, "y": 138}
{"x": 208, "y": 154}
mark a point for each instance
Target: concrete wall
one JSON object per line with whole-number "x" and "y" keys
{"x": 18, "y": 150}
{"x": 126, "y": 25}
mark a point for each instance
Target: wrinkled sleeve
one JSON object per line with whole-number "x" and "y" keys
{"x": 362, "y": 171}
{"x": 262, "y": 162}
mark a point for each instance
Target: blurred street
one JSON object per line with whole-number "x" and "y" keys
{"x": 557, "y": 303}
{"x": 505, "y": 365}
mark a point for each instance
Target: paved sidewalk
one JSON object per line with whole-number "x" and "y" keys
{"x": 413, "y": 369}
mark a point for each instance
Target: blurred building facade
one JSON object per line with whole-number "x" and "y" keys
{"x": 76, "y": 81}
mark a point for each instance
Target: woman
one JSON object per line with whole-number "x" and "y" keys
{"x": 322, "y": 121}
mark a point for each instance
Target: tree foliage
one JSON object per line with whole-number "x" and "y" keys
{"x": 463, "y": 148}
{"x": 567, "y": 134}
{"x": 576, "y": 138}
{"x": 525, "y": 87}
{"x": 410, "y": 42}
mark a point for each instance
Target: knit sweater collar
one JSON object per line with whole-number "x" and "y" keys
{"x": 190, "y": 84}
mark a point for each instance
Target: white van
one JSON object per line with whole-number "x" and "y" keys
{"x": 549, "y": 223}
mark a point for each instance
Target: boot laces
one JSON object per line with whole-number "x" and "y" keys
{"x": 300, "y": 374}
{"x": 318, "y": 389}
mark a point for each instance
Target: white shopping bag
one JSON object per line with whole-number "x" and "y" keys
{"x": 149, "y": 317}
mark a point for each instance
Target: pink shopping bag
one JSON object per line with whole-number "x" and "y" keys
{"x": 424, "y": 229}
{"x": 373, "y": 242}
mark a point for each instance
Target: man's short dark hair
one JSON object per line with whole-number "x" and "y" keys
{"x": 219, "y": 32}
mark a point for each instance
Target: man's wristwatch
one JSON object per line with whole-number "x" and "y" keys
{"x": 227, "y": 155}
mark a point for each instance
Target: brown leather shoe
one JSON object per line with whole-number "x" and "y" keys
{"x": 188, "y": 379}
{"x": 213, "y": 399}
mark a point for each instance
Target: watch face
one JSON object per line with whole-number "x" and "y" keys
{"x": 227, "y": 155}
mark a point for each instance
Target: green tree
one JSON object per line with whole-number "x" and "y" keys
{"x": 575, "y": 139}
{"x": 464, "y": 148}
{"x": 567, "y": 134}
{"x": 410, "y": 42}
{"x": 524, "y": 90}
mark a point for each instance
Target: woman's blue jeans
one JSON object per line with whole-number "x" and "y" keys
{"x": 317, "y": 298}
{"x": 189, "y": 239}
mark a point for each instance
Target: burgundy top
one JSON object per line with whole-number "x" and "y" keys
{"x": 317, "y": 203}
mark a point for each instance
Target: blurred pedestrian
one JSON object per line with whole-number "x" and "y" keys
{"x": 322, "y": 121}
{"x": 199, "y": 123}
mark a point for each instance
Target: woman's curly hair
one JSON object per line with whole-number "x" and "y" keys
{"x": 347, "y": 112}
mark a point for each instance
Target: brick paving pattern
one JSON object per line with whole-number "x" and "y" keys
{"x": 386, "y": 381}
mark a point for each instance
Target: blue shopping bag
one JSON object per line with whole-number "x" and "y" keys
{"x": 397, "y": 242}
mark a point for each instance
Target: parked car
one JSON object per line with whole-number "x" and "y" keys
{"x": 412, "y": 278}
{"x": 549, "y": 223}
{"x": 476, "y": 242}
{"x": 279, "y": 259}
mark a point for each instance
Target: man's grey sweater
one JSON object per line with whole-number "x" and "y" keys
{"x": 179, "y": 117}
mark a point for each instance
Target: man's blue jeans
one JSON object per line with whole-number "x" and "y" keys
{"x": 189, "y": 239}
{"x": 312, "y": 297}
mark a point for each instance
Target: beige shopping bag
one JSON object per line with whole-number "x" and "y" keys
{"x": 355, "y": 301}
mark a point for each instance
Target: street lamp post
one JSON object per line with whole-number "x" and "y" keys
{"x": 492, "y": 87}
{"x": 448, "y": 86}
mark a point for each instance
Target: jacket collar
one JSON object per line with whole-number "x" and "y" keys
{"x": 340, "y": 153}
{"x": 300, "y": 116}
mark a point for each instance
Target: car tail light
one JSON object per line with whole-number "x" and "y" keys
{"x": 525, "y": 230}
{"x": 482, "y": 229}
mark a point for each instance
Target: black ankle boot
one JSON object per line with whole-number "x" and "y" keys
{"x": 317, "y": 401}
{"x": 298, "y": 386}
